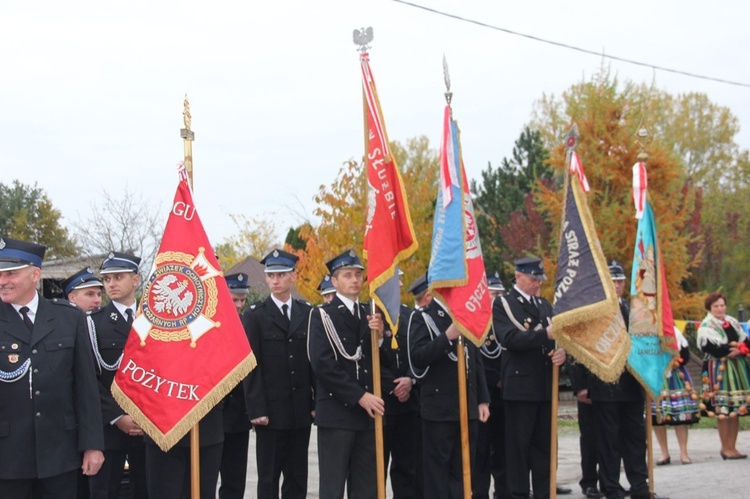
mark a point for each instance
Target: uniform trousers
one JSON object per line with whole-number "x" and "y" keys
{"x": 62, "y": 486}
{"x": 400, "y": 448}
{"x": 490, "y": 453}
{"x": 233, "y": 468}
{"x": 282, "y": 452}
{"x": 621, "y": 433}
{"x": 347, "y": 453}
{"x": 527, "y": 447}
{"x": 587, "y": 443}
{"x": 441, "y": 454}
{"x": 106, "y": 483}
{"x": 169, "y": 472}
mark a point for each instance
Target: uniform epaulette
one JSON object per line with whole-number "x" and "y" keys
{"x": 304, "y": 302}
{"x": 96, "y": 311}
{"x": 63, "y": 302}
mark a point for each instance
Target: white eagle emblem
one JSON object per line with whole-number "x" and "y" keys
{"x": 167, "y": 299}
{"x": 372, "y": 203}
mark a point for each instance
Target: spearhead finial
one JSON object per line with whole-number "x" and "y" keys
{"x": 571, "y": 139}
{"x": 363, "y": 38}
{"x": 447, "y": 78}
{"x": 186, "y": 118}
{"x": 642, "y": 141}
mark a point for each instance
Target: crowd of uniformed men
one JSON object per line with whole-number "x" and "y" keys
{"x": 62, "y": 433}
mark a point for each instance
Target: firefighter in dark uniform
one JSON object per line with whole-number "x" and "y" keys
{"x": 523, "y": 324}
{"x": 49, "y": 405}
{"x": 618, "y": 421}
{"x": 340, "y": 354}
{"x": 233, "y": 469}
{"x": 84, "y": 290}
{"x": 432, "y": 343}
{"x": 326, "y": 289}
{"x": 278, "y": 393}
{"x": 401, "y": 421}
{"x": 123, "y": 438}
{"x": 490, "y": 453}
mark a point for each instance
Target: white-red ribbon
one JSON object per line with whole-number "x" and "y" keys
{"x": 640, "y": 186}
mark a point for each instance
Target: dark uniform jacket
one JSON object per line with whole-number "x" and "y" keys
{"x": 112, "y": 331}
{"x": 398, "y": 360}
{"x": 340, "y": 384}
{"x": 45, "y": 426}
{"x": 439, "y": 387}
{"x": 280, "y": 387}
{"x": 526, "y": 369}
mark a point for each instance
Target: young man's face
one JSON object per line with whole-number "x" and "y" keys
{"x": 120, "y": 286}
{"x": 86, "y": 298}
{"x": 348, "y": 282}
{"x": 239, "y": 300}
{"x": 18, "y": 286}
{"x": 280, "y": 283}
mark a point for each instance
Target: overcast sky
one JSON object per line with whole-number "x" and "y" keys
{"x": 92, "y": 92}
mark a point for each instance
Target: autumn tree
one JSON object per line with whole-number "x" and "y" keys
{"x": 608, "y": 114}
{"x": 342, "y": 208}
{"x": 510, "y": 225}
{"x": 27, "y": 213}
{"x": 255, "y": 236}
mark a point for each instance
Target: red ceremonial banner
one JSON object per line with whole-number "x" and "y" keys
{"x": 187, "y": 348}
{"x": 389, "y": 235}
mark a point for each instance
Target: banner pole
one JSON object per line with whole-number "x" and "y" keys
{"x": 649, "y": 445}
{"x": 464, "y": 417}
{"x": 553, "y": 433}
{"x": 195, "y": 461}
{"x": 379, "y": 452}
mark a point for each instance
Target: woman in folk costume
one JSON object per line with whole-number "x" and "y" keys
{"x": 678, "y": 406}
{"x": 726, "y": 372}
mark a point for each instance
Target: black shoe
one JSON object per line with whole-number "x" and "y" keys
{"x": 592, "y": 492}
{"x": 563, "y": 490}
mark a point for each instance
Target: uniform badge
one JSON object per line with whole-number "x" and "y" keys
{"x": 88, "y": 269}
{"x": 113, "y": 316}
{"x": 110, "y": 256}
{"x": 240, "y": 278}
{"x": 352, "y": 253}
{"x": 276, "y": 253}
{"x": 2, "y": 243}
{"x": 527, "y": 323}
{"x": 441, "y": 313}
{"x": 14, "y": 346}
{"x": 13, "y": 358}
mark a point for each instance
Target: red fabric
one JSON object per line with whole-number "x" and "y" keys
{"x": 187, "y": 337}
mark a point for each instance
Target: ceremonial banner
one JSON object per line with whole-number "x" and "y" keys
{"x": 651, "y": 323}
{"x": 187, "y": 348}
{"x": 587, "y": 321}
{"x": 389, "y": 235}
{"x": 456, "y": 273}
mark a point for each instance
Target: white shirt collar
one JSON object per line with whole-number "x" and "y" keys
{"x": 33, "y": 307}
{"x": 122, "y": 308}
{"x": 279, "y": 303}
{"x": 525, "y": 295}
{"x": 349, "y": 303}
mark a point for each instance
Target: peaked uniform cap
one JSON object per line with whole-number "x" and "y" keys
{"x": 494, "y": 282}
{"x": 238, "y": 282}
{"x": 279, "y": 261}
{"x": 120, "y": 262}
{"x": 82, "y": 279}
{"x": 616, "y": 270}
{"x": 326, "y": 285}
{"x": 420, "y": 284}
{"x": 346, "y": 260}
{"x": 16, "y": 254}
{"x": 532, "y": 266}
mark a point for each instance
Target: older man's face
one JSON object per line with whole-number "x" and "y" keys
{"x": 18, "y": 286}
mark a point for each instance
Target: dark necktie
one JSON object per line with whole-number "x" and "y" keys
{"x": 129, "y": 316}
{"x": 355, "y": 311}
{"x": 26, "y": 320}
{"x": 285, "y": 313}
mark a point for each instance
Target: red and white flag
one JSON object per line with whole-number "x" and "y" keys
{"x": 187, "y": 348}
{"x": 389, "y": 235}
